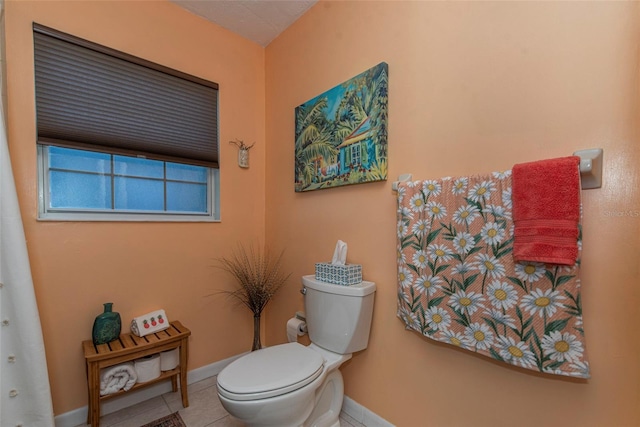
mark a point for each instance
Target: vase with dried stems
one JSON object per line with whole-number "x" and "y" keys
{"x": 258, "y": 275}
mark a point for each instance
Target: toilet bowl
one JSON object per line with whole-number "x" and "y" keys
{"x": 284, "y": 385}
{"x": 291, "y": 385}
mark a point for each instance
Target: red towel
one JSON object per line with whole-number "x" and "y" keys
{"x": 546, "y": 210}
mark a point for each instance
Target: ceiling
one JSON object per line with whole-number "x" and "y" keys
{"x": 258, "y": 20}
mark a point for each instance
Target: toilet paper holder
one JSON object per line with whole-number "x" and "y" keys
{"x": 302, "y": 318}
{"x": 296, "y": 326}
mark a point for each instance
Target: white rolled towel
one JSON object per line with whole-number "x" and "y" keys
{"x": 116, "y": 378}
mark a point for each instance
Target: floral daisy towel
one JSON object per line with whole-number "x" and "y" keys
{"x": 458, "y": 282}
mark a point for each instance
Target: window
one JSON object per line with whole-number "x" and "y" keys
{"x": 85, "y": 183}
{"x": 355, "y": 154}
{"x": 121, "y": 138}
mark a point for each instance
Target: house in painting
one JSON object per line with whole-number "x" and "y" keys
{"x": 358, "y": 150}
{"x": 355, "y": 153}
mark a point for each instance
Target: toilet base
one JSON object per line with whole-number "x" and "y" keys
{"x": 282, "y": 411}
{"x": 326, "y": 411}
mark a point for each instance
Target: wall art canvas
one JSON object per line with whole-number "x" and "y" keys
{"x": 341, "y": 135}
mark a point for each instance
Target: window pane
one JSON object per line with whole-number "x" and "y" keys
{"x": 180, "y": 172}
{"x": 78, "y": 160}
{"x": 132, "y": 166}
{"x": 84, "y": 182}
{"x": 79, "y": 190}
{"x": 185, "y": 197}
{"x": 139, "y": 194}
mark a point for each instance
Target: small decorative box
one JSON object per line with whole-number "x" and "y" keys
{"x": 349, "y": 274}
{"x": 149, "y": 323}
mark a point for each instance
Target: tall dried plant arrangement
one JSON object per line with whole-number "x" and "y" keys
{"x": 258, "y": 277}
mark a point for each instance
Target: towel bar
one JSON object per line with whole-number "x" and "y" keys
{"x": 590, "y": 169}
{"x": 402, "y": 178}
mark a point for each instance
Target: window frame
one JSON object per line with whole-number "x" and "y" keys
{"x": 69, "y": 214}
{"x": 356, "y": 155}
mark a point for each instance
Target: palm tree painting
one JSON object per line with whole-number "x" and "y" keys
{"x": 341, "y": 135}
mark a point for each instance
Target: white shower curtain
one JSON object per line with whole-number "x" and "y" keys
{"x": 25, "y": 396}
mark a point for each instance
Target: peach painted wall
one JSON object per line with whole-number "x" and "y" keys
{"x": 473, "y": 87}
{"x": 140, "y": 267}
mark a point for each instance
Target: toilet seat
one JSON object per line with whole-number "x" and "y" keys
{"x": 270, "y": 372}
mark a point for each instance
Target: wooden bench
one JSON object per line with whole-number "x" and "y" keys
{"x": 127, "y": 348}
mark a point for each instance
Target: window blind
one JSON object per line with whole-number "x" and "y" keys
{"x": 92, "y": 97}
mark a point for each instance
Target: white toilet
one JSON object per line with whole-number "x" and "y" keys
{"x": 290, "y": 385}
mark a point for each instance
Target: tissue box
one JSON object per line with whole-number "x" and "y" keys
{"x": 349, "y": 274}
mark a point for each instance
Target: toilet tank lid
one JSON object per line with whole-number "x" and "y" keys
{"x": 359, "y": 290}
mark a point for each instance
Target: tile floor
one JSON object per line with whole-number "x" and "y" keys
{"x": 205, "y": 410}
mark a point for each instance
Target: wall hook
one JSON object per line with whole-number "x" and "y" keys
{"x": 243, "y": 152}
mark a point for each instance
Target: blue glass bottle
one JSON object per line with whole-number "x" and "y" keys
{"x": 107, "y": 325}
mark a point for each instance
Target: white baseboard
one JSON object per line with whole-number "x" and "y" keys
{"x": 79, "y": 416}
{"x": 362, "y": 414}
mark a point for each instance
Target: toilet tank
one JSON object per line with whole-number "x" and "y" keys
{"x": 338, "y": 317}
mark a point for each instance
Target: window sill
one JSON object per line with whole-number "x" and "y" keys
{"x": 122, "y": 217}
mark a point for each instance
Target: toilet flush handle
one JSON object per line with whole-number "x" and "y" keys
{"x": 303, "y": 291}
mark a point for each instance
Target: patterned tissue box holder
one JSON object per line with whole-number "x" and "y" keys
{"x": 349, "y": 274}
